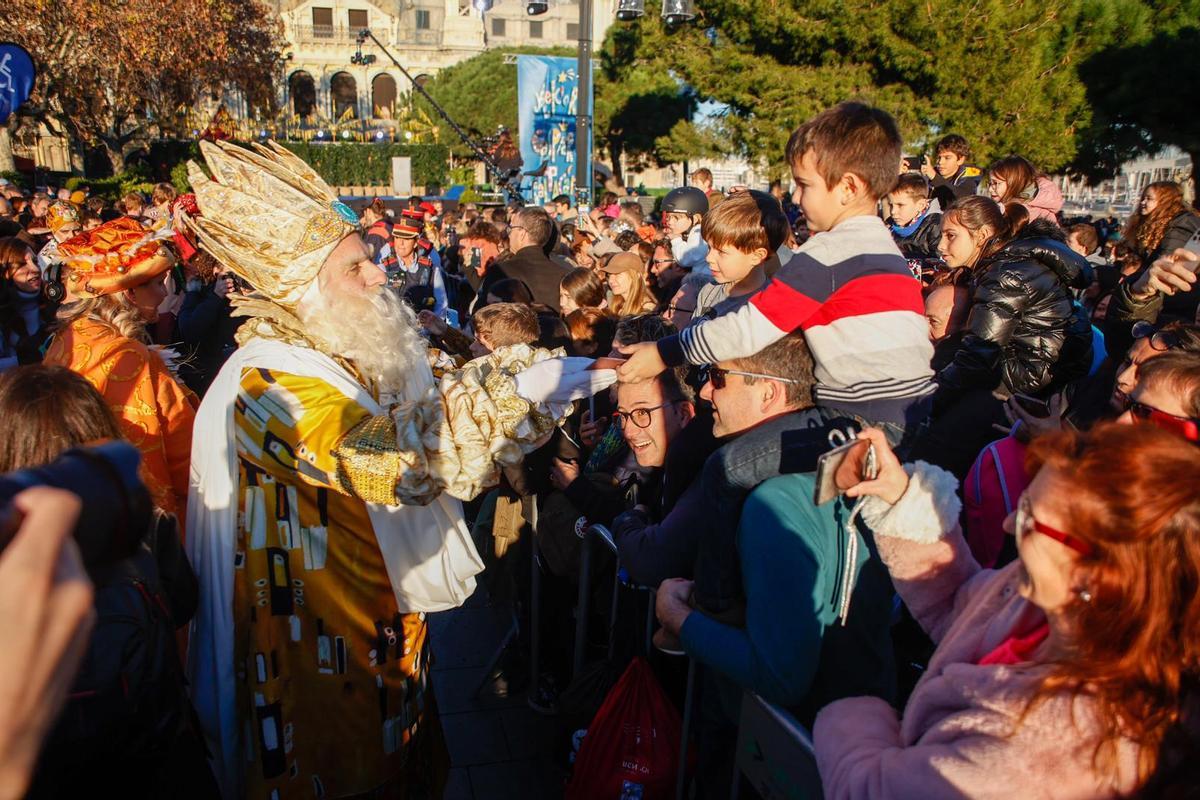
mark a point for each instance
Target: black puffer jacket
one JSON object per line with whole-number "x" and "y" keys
{"x": 1024, "y": 332}
{"x": 924, "y": 241}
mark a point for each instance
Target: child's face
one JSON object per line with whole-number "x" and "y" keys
{"x": 480, "y": 346}
{"x": 906, "y": 208}
{"x": 730, "y": 265}
{"x": 948, "y": 163}
{"x": 677, "y": 223}
{"x": 821, "y": 205}
{"x": 959, "y": 247}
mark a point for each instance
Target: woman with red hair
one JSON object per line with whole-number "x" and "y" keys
{"x": 1069, "y": 673}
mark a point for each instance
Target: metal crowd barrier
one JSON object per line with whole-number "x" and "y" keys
{"x": 774, "y": 753}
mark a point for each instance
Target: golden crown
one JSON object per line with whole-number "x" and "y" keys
{"x": 267, "y": 216}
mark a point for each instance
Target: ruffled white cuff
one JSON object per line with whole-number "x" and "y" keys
{"x": 927, "y": 510}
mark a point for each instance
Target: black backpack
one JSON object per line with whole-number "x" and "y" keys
{"x": 128, "y": 705}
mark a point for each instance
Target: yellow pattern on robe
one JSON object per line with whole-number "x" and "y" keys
{"x": 333, "y": 685}
{"x": 333, "y": 682}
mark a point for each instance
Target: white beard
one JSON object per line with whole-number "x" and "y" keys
{"x": 377, "y": 332}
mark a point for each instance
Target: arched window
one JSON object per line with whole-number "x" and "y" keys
{"x": 343, "y": 91}
{"x": 303, "y": 90}
{"x": 383, "y": 96}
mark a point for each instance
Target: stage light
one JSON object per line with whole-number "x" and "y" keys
{"x": 535, "y": 7}
{"x": 677, "y": 12}
{"x": 346, "y": 134}
{"x": 262, "y": 134}
{"x": 629, "y": 10}
{"x": 482, "y": 6}
{"x": 380, "y": 135}
{"x": 320, "y": 136}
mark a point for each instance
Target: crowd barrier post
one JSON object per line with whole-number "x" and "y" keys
{"x": 774, "y": 753}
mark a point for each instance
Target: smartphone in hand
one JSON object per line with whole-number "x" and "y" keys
{"x": 844, "y": 466}
{"x": 1032, "y": 406}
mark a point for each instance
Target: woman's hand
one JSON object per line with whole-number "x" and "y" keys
{"x": 591, "y": 432}
{"x": 1031, "y": 426}
{"x": 892, "y": 481}
{"x": 432, "y": 322}
{"x": 671, "y": 604}
{"x": 1167, "y": 275}
{"x": 563, "y": 473}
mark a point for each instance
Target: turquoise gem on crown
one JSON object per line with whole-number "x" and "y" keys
{"x": 345, "y": 212}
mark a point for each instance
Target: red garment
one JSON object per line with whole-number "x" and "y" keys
{"x": 1018, "y": 648}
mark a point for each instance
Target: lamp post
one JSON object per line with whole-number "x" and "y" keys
{"x": 583, "y": 109}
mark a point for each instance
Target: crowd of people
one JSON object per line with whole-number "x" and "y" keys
{"x": 904, "y": 452}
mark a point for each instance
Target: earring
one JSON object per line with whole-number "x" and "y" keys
{"x": 1085, "y": 595}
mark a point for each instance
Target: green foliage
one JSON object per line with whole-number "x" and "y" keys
{"x": 371, "y": 164}
{"x": 638, "y": 99}
{"x": 1000, "y": 72}
{"x": 13, "y": 177}
{"x": 179, "y": 178}
{"x": 1143, "y": 87}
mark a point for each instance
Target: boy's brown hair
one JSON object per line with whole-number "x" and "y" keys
{"x": 851, "y": 138}
{"x": 913, "y": 184}
{"x": 746, "y": 221}
{"x": 506, "y": 324}
{"x": 953, "y": 143}
{"x": 1086, "y": 235}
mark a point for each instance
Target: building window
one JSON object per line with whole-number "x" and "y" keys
{"x": 573, "y": 30}
{"x": 358, "y": 20}
{"x": 423, "y": 19}
{"x": 535, "y": 30}
{"x": 322, "y": 21}
{"x": 497, "y": 26}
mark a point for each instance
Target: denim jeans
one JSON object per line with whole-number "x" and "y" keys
{"x": 787, "y": 444}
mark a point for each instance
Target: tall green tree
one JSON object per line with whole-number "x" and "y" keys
{"x": 1000, "y": 72}
{"x": 1144, "y": 88}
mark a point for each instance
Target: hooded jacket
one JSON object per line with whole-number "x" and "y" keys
{"x": 1045, "y": 201}
{"x": 1024, "y": 331}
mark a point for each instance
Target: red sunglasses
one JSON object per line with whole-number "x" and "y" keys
{"x": 1026, "y": 522}
{"x": 1186, "y": 427}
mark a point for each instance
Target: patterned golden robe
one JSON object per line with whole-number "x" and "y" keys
{"x": 333, "y": 681}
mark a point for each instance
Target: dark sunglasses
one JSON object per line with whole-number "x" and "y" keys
{"x": 1159, "y": 341}
{"x": 718, "y": 376}
{"x": 1186, "y": 427}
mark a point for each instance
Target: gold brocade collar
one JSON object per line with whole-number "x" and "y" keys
{"x": 268, "y": 320}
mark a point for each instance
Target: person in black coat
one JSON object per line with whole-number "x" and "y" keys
{"x": 531, "y": 235}
{"x": 1024, "y": 335}
{"x": 205, "y": 326}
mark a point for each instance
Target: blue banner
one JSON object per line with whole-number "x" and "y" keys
{"x": 547, "y": 102}
{"x": 16, "y": 78}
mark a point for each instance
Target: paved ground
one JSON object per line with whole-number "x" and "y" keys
{"x": 499, "y": 748}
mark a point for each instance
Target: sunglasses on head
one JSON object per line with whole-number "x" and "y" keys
{"x": 1159, "y": 341}
{"x": 1186, "y": 427}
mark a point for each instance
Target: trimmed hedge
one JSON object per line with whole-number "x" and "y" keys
{"x": 340, "y": 164}
{"x": 356, "y": 164}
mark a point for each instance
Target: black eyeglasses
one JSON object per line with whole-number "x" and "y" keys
{"x": 1159, "y": 341}
{"x": 717, "y": 376}
{"x": 639, "y": 416}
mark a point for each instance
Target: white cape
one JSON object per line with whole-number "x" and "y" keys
{"x": 430, "y": 557}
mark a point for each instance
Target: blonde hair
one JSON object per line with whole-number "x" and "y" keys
{"x": 639, "y": 300}
{"x": 114, "y": 310}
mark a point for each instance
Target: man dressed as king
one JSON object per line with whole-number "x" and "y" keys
{"x": 324, "y": 517}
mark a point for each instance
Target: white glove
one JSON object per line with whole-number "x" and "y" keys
{"x": 561, "y": 380}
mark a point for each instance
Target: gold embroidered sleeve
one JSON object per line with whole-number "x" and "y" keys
{"x": 471, "y": 425}
{"x": 368, "y": 460}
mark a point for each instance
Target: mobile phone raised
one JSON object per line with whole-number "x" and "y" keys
{"x": 842, "y": 467}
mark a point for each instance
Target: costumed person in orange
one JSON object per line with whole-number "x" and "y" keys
{"x": 114, "y": 282}
{"x": 325, "y": 515}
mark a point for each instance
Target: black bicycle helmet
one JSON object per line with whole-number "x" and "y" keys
{"x": 685, "y": 200}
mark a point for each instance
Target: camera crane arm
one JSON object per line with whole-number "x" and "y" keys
{"x": 502, "y": 178}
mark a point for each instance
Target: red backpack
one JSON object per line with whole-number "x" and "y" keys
{"x": 990, "y": 494}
